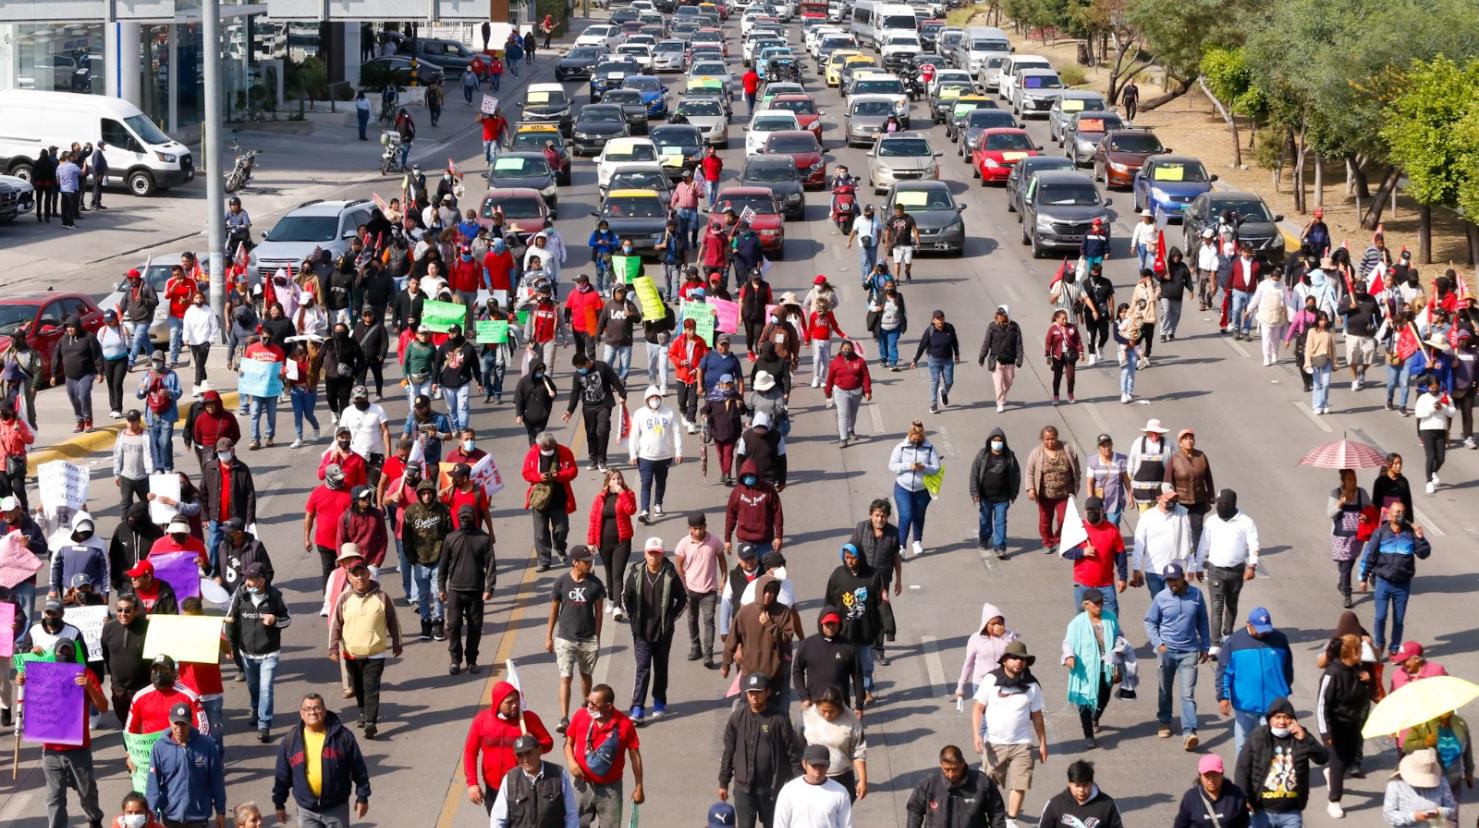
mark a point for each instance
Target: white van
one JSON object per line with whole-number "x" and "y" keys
{"x": 1007, "y": 81}
{"x": 139, "y": 154}
{"x": 978, "y": 43}
{"x": 871, "y": 18}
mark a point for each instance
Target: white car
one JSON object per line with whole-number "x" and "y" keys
{"x": 764, "y": 122}
{"x": 815, "y": 34}
{"x": 644, "y": 39}
{"x": 601, "y": 34}
{"x": 711, "y": 69}
{"x": 620, "y": 151}
{"x": 639, "y": 52}
{"x": 955, "y": 75}
{"x": 875, "y": 82}
{"x": 899, "y": 44}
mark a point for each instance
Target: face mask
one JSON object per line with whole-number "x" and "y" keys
{"x": 582, "y": 371}
{"x": 539, "y": 375}
{"x": 81, "y": 537}
{"x": 344, "y": 444}
{"x": 654, "y": 404}
{"x": 467, "y": 257}
{"x": 749, "y": 480}
{"x": 626, "y": 248}
{"x": 467, "y": 445}
{"x": 135, "y": 820}
{"x": 362, "y": 405}
{"x": 161, "y": 680}
{"x": 547, "y": 452}
{"x": 254, "y": 591}
{"x": 1226, "y": 511}
{"x": 998, "y": 445}
{"x": 1280, "y": 732}
{"x": 51, "y": 625}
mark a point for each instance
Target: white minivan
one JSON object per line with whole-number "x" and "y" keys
{"x": 139, "y": 154}
{"x": 1007, "y": 80}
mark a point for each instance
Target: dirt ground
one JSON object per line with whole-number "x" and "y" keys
{"x": 1190, "y": 124}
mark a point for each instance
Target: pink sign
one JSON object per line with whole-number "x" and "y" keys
{"x": 17, "y": 562}
{"x": 727, "y": 314}
{"x": 7, "y": 631}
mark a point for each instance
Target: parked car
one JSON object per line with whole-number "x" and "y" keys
{"x": 654, "y": 94}
{"x": 1166, "y": 184}
{"x": 41, "y": 314}
{"x": 936, "y": 214}
{"x": 1034, "y": 91}
{"x": 632, "y": 107}
{"x": 764, "y": 122}
{"x": 624, "y": 150}
{"x": 866, "y": 115}
{"x": 804, "y": 106}
{"x": 313, "y": 225}
{"x": 1057, "y": 209}
{"x": 609, "y": 74}
{"x": 397, "y": 68}
{"x": 1023, "y": 171}
{"x": 779, "y": 175}
{"x": 964, "y": 106}
{"x": 1122, "y": 153}
{"x": 642, "y": 175}
{"x": 679, "y": 147}
{"x": 978, "y": 121}
{"x": 1256, "y": 224}
{"x": 155, "y": 272}
{"x": 17, "y": 197}
{"x": 452, "y": 56}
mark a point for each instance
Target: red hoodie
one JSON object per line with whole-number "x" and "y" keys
{"x": 626, "y": 506}
{"x": 754, "y": 512}
{"x": 465, "y": 275}
{"x": 583, "y": 306}
{"x": 494, "y": 736}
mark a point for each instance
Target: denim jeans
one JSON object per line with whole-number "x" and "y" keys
{"x": 1391, "y": 598}
{"x": 213, "y": 535}
{"x": 403, "y": 563}
{"x": 912, "y": 506}
{"x": 888, "y": 346}
{"x": 362, "y": 116}
{"x": 657, "y": 365}
{"x": 215, "y": 711}
{"x": 263, "y": 406}
{"x": 457, "y": 400}
{"x": 405, "y": 154}
{"x": 652, "y": 472}
{"x": 79, "y": 393}
{"x": 1277, "y": 819}
{"x": 176, "y": 337}
{"x": 993, "y": 523}
{"x": 141, "y": 346}
{"x": 1145, "y": 255}
{"x": 1154, "y": 583}
{"x": 864, "y": 649}
{"x": 1398, "y": 379}
{"x": 619, "y": 357}
{"x": 161, "y": 443}
{"x": 1320, "y": 395}
{"x": 1127, "y": 371}
{"x": 1244, "y": 722}
{"x": 1178, "y": 668}
{"x": 867, "y": 258}
{"x": 414, "y": 390}
{"x": 261, "y": 673}
{"x": 304, "y": 401}
{"x": 940, "y": 370}
{"x": 1111, "y": 598}
{"x": 688, "y": 225}
{"x": 1239, "y": 319}
{"x": 431, "y": 600}
{"x": 494, "y": 365}
{"x": 711, "y": 189}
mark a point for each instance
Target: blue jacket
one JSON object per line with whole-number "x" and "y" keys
{"x": 171, "y": 382}
{"x": 186, "y": 780}
{"x": 1253, "y": 672}
{"x": 1178, "y": 621}
{"x": 341, "y": 765}
{"x": 1392, "y": 556}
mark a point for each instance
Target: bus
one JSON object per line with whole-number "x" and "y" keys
{"x": 871, "y": 18}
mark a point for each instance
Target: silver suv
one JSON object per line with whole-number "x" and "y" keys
{"x": 321, "y": 225}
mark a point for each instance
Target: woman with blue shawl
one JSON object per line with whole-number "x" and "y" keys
{"x": 1087, "y": 651}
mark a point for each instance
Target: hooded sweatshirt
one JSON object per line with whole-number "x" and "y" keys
{"x": 995, "y": 477}
{"x": 821, "y": 662}
{"x": 754, "y": 513}
{"x": 1099, "y": 811}
{"x": 494, "y": 736}
{"x": 80, "y": 556}
{"x": 982, "y": 652}
{"x": 654, "y": 433}
{"x": 1268, "y": 787}
{"x": 858, "y": 592}
{"x": 131, "y": 542}
{"x": 767, "y": 643}
{"x": 467, "y": 558}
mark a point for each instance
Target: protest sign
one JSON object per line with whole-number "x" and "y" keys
{"x": 181, "y": 570}
{"x": 89, "y": 620}
{"x": 485, "y": 473}
{"x": 17, "y": 561}
{"x": 259, "y": 378}
{"x": 489, "y": 105}
{"x": 626, "y": 268}
{"x": 140, "y": 749}
{"x": 649, "y": 299}
{"x": 7, "y": 634}
{"x": 162, "y": 486}
{"x": 56, "y": 705}
{"x": 492, "y": 332}
{"x": 727, "y": 314}
{"x": 194, "y": 638}
{"x": 703, "y": 319}
{"x": 438, "y": 317}
{"x": 933, "y": 482}
{"x": 62, "y": 485}
{"x": 1072, "y": 528}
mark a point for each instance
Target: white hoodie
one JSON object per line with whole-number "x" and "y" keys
{"x": 651, "y": 430}
{"x": 200, "y": 327}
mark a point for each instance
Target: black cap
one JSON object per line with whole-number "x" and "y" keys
{"x": 816, "y": 755}
{"x": 462, "y": 469}
{"x": 697, "y": 519}
{"x": 525, "y": 743}
{"x": 773, "y": 560}
{"x": 580, "y": 552}
{"x": 255, "y": 570}
{"x": 180, "y": 714}
{"x": 756, "y": 681}
{"x": 235, "y": 524}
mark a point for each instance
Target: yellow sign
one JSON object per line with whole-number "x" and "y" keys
{"x": 950, "y": 92}
{"x": 508, "y": 164}
{"x": 537, "y": 98}
{"x": 193, "y": 638}
{"x": 912, "y": 198}
{"x": 649, "y": 299}
{"x": 1073, "y": 105}
{"x": 1091, "y": 125}
{"x": 1169, "y": 172}
{"x": 1013, "y": 156}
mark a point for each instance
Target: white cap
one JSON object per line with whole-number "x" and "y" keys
{"x": 652, "y": 391}
{"x": 9, "y": 504}
{"x": 652, "y": 544}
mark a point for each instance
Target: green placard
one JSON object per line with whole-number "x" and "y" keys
{"x": 437, "y": 317}
{"x": 492, "y": 331}
{"x": 139, "y": 747}
{"x": 703, "y": 319}
{"x": 523, "y": 316}
{"x": 627, "y": 267}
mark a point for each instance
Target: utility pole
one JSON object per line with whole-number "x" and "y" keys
{"x": 210, "y": 133}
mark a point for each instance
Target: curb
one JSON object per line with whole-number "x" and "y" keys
{"x": 99, "y": 439}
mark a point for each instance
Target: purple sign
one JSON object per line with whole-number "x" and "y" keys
{"x": 55, "y": 704}
{"x": 181, "y": 570}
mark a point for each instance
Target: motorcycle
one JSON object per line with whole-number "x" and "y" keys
{"x": 913, "y": 84}
{"x": 390, "y": 158}
{"x": 241, "y": 172}
{"x": 237, "y": 237}
{"x": 844, "y": 205}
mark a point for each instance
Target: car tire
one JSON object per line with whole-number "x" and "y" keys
{"x": 141, "y": 183}
{"x": 957, "y": 252}
{"x": 1025, "y": 239}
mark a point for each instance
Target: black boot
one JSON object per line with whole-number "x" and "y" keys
{"x": 695, "y": 653}
{"x": 439, "y": 630}
{"x": 425, "y": 630}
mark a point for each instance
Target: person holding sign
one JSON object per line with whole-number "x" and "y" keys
{"x": 261, "y": 382}
{"x": 658, "y": 322}
{"x": 64, "y": 764}
{"x": 687, "y": 353}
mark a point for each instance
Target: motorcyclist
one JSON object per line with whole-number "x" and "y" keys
{"x": 842, "y": 177}
{"x": 238, "y": 226}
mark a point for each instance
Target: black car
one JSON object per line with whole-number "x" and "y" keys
{"x": 448, "y": 54}
{"x": 525, "y": 169}
{"x": 630, "y": 101}
{"x": 679, "y": 147}
{"x": 1022, "y": 173}
{"x": 976, "y": 122}
{"x": 640, "y": 176}
{"x": 936, "y": 214}
{"x": 1256, "y": 224}
{"x": 578, "y": 64}
{"x": 398, "y": 68}
{"x": 640, "y": 218}
{"x": 609, "y": 74}
{"x": 624, "y": 15}
{"x": 778, "y": 172}
{"x": 597, "y": 124}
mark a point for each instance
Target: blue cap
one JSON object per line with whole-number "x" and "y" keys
{"x": 723, "y": 378}
{"x": 721, "y": 815}
{"x": 1173, "y": 571}
{"x": 1260, "y": 620}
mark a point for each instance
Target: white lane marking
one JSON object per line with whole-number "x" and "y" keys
{"x": 875, "y": 414}
{"x": 1242, "y": 352}
{"x": 608, "y": 644}
{"x": 1304, "y": 408}
{"x": 988, "y": 560}
{"x": 1097, "y": 418}
{"x": 933, "y": 664}
{"x": 944, "y": 435}
{"x": 1427, "y": 524}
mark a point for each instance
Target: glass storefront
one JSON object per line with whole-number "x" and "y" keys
{"x": 59, "y": 57}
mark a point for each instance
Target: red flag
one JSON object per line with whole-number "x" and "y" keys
{"x": 1462, "y": 288}
{"x": 1407, "y": 342}
{"x": 626, "y": 423}
{"x": 1160, "y": 252}
{"x": 1058, "y": 277}
{"x": 1377, "y": 285}
{"x": 452, "y": 166}
{"x": 380, "y": 202}
{"x": 241, "y": 256}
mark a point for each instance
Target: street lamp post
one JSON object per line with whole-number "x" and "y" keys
{"x": 210, "y": 132}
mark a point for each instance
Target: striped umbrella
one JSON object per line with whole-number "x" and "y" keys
{"x": 1344, "y": 454}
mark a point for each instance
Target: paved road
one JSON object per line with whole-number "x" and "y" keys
{"x": 1252, "y": 421}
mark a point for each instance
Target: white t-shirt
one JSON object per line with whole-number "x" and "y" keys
{"x": 1008, "y": 712}
{"x": 868, "y": 228}
{"x": 801, "y": 804}
{"x": 364, "y": 429}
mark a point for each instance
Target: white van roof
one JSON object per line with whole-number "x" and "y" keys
{"x": 99, "y": 104}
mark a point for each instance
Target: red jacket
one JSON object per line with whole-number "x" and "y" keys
{"x": 754, "y": 512}
{"x": 713, "y": 166}
{"x": 751, "y": 80}
{"x": 626, "y": 506}
{"x": 584, "y": 308}
{"x": 500, "y": 267}
{"x": 1245, "y": 277}
{"x": 353, "y": 466}
{"x": 686, "y": 352}
{"x": 209, "y": 428}
{"x": 565, "y": 471}
{"x": 495, "y": 737}
{"x": 367, "y": 531}
{"x": 465, "y": 276}
{"x": 849, "y": 375}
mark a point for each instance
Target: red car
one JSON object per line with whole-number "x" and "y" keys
{"x": 42, "y": 315}
{"x": 767, "y": 220}
{"x": 804, "y": 148}
{"x": 997, "y": 150}
{"x": 523, "y": 209}
{"x": 805, "y": 108}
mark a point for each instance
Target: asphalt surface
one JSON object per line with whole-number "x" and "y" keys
{"x": 1253, "y": 422}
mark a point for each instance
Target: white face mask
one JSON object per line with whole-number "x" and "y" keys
{"x": 135, "y": 820}
{"x": 1280, "y": 732}
{"x": 654, "y": 404}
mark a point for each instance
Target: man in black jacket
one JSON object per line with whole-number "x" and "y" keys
{"x": 857, "y": 588}
{"x": 255, "y": 619}
{"x": 1274, "y": 765}
{"x": 757, "y": 738}
{"x": 78, "y": 359}
{"x": 995, "y": 481}
{"x": 534, "y": 793}
{"x": 228, "y": 476}
{"x": 136, "y": 533}
{"x": 653, "y": 597}
{"x": 239, "y": 550}
{"x": 959, "y": 797}
{"x": 374, "y": 344}
{"x": 941, "y": 348}
{"x": 596, "y": 389}
{"x": 1001, "y": 353}
{"x": 137, "y": 309}
{"x": 452, "y": 372}
{"x": 406, "y": 307}
{"x": 1362, "y": 319}
{"x": 123, "y": 651}
{"x": 341, "y": 770}
{"x": 827, "y": 660}
{"x": 465, "y": 580}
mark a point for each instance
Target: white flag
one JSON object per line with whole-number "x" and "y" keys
{"x": 512, "y": 677}
{"x": 1074, "y": 535}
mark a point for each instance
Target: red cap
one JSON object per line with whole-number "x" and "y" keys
{"x": 830, "y": 616}
{"x": 819, "y": 280}
{"x": 1406, "y": 651}
{"x": 144, "y": 567}
{"x": 133, "y": 273}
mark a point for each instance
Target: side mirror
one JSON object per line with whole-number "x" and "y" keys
{"x": 960, "y": 208}
{"x": 1278, "y": 217}
{"x": 595, "y": 213}
{"x": 1108, "y": 202}
{"x": 1166, "y": 149}
{"x": 939, "y": 155}
{"x": 1214, "y": 178}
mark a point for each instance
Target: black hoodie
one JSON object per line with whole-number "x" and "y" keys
{"x": 534, "y": 399}
{"x": 467, "y": 558}
{"x": 131, "y": 543}
{"x": 821, "y": 662}
{"x": 859, "y": 594}
{"x": 76, "y": 356}
{"x": 1099, "y": 811}
{"x": 995, "y": 476}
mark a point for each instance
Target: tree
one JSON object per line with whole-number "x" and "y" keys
{"x": 1228, "y": 80}
{"x": 1422, "y": 139}
{"x": 1179, "y": 33}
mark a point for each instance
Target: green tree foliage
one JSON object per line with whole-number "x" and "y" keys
{"x": 1179, "y": 32}
{"x": 1420, "y": 128}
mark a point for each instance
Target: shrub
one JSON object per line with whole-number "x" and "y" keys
{"x": 1072, "y": 75}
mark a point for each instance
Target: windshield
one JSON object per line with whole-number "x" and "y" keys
{"x": 683, "y": 142}
{"x": 1135, "y": 142}
{"x": 800, "y": 107}
{"x": 902, "y": 40}
{"x": 709, "y": 108}
{"x": 146, "y": 130}
{"x": 1087, "y": 125}
{"x": 829, "y": 43}
{"x": 602, "y": 115}
{"x": 645, "y": 84}
{"x": 1247, "y": 210}
{"x": 989, "y": 45}
{"x": 639, "y": 180}
{"x": 770, "y": 172}
{"x": 772, "y": 124}
{"x": 14, "y": 316}
{"x": 634, "y": 49}
{"x": 624, "y": 97}
{"x": 868, "y": 86}
{"x": 1041, "y": 82}
{"x": 635, "y": 152}
{"x": 305, "y": 229}
{"x": 1192, "y": 172}
{"x": 916, "y": 201}
{"x": 985, "y": 118}
{"x": 585, "y": 53}
{"x": 534, "y": 140}
{"x": 903, "y": 148}
{"x": 515, "y": 207}
{"x": 899, "y": 21}
{"x": 1008, "y": 141}
{"x": 670, "y": 46}
{"x": 793, "y": 143}
{"x": 520, "y": 166}
{"x": 616, "y": 69}
{"x": 758, "y": 203}
{"x": 951, "y": 39}
{"x": 1068, "y": 196}
{"x": 550, "y": 100}
{"x": 873, "y": 108}
{"x": 700, "y": 69}
{"x": 635, "y": 207}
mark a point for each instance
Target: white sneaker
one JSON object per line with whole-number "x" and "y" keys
{"x": 1469, "y": 442}
{"x": 1334, "y": 810}
{"x": 609, "y": 608}
{"x": 1125, "y": 398}
{"x": 1011, "y": 823}
{"x": 618, "y": 614}
{"x": 916, "y": 549}
{"x": 1213, "y": 650}
{"x": 692, "y": 429}
{"x": 1436, "y": 481}
{"x": 297, "y": 444}
{"x": 1355, "y": 385}
{"x": 1430, "y": 488}
{"x": 1000, "y": 407}
{"x": 816, "y": 383}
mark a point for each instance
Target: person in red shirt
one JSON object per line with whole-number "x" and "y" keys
{"x": 686, "y": 352}
{"x": 1099, "y": 565}
{"x": 326, "y": 504}
{"x": 177, "y": 538}
{"x": 582, "y": 308}
{"x": 205, "y": 680}
{"x": 848, "y": 384}
{"x": 363, "y": 526}
{"x": 179, "y": 290}
{"x": 544, "y": 325}
{"x": 467, "y": 450}
{"x": 819, "y": 329}
{"x": 498, "y": 267}
{"x": 493, "y": 732}
{"x": 593, "y": 725}
{"x": 148, "y": 712}
{"x": 156, "y": 596}
{"x": 751, "y": 82}
{"x": 713, "y": 167}
{"x": 494, "y": 126}
{"x": 262, "y": 349}
{"x": 464, "y": 492}
{"x": 465, "y": 275}
{"x": 349, "y": 462}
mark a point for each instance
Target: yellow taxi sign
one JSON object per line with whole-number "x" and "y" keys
{"x": 633, "y": 193}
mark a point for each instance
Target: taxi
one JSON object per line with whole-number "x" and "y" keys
{"x": 834, "y": 65}
{"x": 529, "y": 137}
